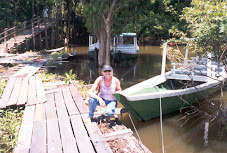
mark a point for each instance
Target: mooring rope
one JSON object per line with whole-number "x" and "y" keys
{"x": 136, "y": 132}
{"x": 163, "y": 150}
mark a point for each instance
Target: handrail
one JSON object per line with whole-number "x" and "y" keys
{"x": 13, "y": 31}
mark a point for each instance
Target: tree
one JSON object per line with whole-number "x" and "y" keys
{"x": 207, "y": 25}
{"x": 99, "y": 20}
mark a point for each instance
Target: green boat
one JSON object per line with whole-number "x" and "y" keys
{"x": 174, "y": 89}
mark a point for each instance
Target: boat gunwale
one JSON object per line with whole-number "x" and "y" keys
{"x": 170, "y": 93}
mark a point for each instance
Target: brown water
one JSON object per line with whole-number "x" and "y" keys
{"x": 177, "y": 137}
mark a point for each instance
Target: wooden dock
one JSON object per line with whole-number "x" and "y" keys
{"x": 57, "y": 123}
{"x": 55, "y": 120}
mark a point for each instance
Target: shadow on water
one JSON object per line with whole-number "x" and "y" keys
{"x": 188, "y": 138}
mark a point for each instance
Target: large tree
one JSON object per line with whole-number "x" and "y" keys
{"x": 99, "y": 20}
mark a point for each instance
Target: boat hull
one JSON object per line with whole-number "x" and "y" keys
{"x": 93, "y": 54}
{"x": 147, "y": 109}
{"x": 123, "y": 57}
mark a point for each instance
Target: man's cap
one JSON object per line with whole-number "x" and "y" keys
{"x": 107, "y": 67}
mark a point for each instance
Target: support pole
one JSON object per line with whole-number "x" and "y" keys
{"x": 52, "y": 33}
{"x": 46, "y": 37}
{"x": 163, "y": 60}
{"x": 33, "y": 33}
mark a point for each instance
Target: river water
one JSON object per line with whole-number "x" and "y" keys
{"x": 178, "y": 136}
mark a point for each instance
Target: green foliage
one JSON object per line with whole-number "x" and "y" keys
{"x": 69, "y": 77}
{"x": 48, "y": 77}
{"x": 207, "y": 24}
{"x": 10, "y": 122}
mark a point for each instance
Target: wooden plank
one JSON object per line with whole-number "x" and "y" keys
{"x": 22, "y": 72}
{"x": 41, "y": 97}
{"x": 68, "y": 140}
{"x": 23, "y": 96}
{"x": 82, "y": 107}
{"x": 70, "y": 104}
{"x": 25, "y": 134}
{"x": 40, "y": 112}
{"x": 117, "y": 134}
{"x": 15, "y": 93}
{"x": 101, "y": 146}
{"x": 7, "y": 92}
{"x": 83, "y": 141}
{"x": 35, "y": 67}
{"x": 32, "y": 99}
{"x": 50, "y": 107}
{"x": 38, "y": 144}
{"x": 53, "y": 137}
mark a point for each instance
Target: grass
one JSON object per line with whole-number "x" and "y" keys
{"x": 2, "y": 86}
{"x": 10, "y": 122}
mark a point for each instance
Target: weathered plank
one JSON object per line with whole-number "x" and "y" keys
{"x": 40, "y": 112}
{"x": 38, "y": 144}
{"x": 23, "y": 96}
{"x": 78, "y": 100}
{"x": 117, "y": 134}
{"x": 83, "y": 141}
{"x": 53, "y": 138}
{"x": 68, "y": 140}
{"x": 7, "y": 92}
{"x": 22, "y": 72}
{"x": 25, "y": 134}
{"x": 70, "y": 104}
{"x": 50, "y": 107}
{"x": 101, "y": 146}
{"x": 15, "y": 93}
{"x": 32, "y": 99}
{"x": 41, "y": 97}
{"x": 35, "y": 67}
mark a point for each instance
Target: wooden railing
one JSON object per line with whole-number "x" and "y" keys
{"x": 9, "y": 33}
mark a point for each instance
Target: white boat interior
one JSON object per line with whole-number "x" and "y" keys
{"x": 196, "y": 69}
{"x": 93, "y": 42}
{"x": 126, "y": 43}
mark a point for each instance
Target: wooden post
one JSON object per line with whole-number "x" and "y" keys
{"x": 57, "y": 29}
{"x": 14, "y": 33}
{"x": 26, "y": 43}
{"x": 25, "y": 25}
{"x": 33, "y": 32}
{"x": 16, "y": 47}
{"x": 62, "y": 37}
{"x": 52, "y": 33}
{"x": 46, "y": 37}
{"x": 5, "y": 39}
{"x": 5, "y": 35}
{"x": 40, "y": 36}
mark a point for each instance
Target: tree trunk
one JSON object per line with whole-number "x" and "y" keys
{"x": 108, "y": 35}
{"x": 102, "y": 47}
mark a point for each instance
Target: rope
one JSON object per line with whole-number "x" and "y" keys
{"x": 136, "y": 131}
{"x": 163, "y": 150}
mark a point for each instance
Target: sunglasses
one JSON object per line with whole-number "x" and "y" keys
{"x": 107, "y": 71}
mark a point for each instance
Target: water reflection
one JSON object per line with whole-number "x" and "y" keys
{"x": 188, "y": 138}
